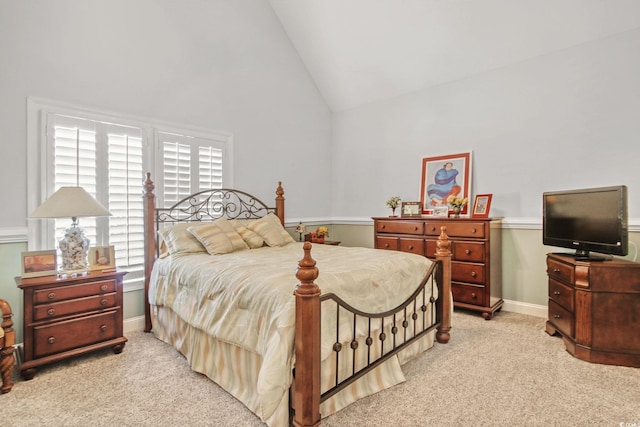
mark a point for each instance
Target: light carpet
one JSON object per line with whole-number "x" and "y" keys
{"x": 502, "y": 372}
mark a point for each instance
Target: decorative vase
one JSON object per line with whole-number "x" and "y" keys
{"x": 393, "y": 212}
{"x": 456, "y": 211}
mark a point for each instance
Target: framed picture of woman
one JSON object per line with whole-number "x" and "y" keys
{"x": 443, "y": 177}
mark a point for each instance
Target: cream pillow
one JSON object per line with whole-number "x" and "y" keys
{"x": 218, "y": 237}
{"x": 180, "y": 241}
{"x": 271, "y": 230}
{"x": 252, "y": 239}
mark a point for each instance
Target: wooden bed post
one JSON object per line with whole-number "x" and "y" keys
{"x": 445, "y": 304}
{"x": 280, "y": 202}
{"x": 149, "y": 244}
{"x": 306, "y": 383}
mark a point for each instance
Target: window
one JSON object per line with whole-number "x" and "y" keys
{"x": 108, "y": 156}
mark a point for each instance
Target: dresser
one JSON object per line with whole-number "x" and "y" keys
{"x": 595, "y": 307}
{"x": 66, "y": 317}
{"x": 476, "y": 249}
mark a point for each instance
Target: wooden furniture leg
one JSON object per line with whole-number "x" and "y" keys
{"x": 7, "y": 350}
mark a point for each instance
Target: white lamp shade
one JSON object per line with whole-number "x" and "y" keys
{"x": 70, "y": 202}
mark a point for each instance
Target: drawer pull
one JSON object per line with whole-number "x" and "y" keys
{"x": 473, "y": 230}
{"x": 556, "y": 316}
{"x": 467, "y": 252}
{"x": 51, "y": 340}
{"x": 382, "y": 227}
{"x": 410, "y": 247}
{"x": 103, "y": 328}
{"x": 473, "y": 274}
{"x": 433, "y": 229}
{"x": 415, "y": 228}
{"x": 386, "y": 245}
{"x": 556, "y": 292}
{"x": 103, "y": 302}
{"x": 51, "y": 312}
{"x": 556, "y": 270}
{"x": 103, "y": 288}
{"x": 473, "y": 295}
{"x": 51, "y": 295}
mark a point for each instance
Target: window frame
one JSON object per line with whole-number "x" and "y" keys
{"x": 40, "y": 168}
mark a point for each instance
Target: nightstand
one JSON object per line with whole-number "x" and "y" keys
{"x": 66, "y": 317}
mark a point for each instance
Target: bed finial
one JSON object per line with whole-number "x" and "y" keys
{"x": 280, "y": 202}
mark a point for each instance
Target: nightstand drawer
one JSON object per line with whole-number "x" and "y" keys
{"x": 61, "y": 293}
{"x": 469, "y": 294}
{"x": 456, "y": 229}
{"x": 561, "y": 294}
{"x": 468, "y": 272}
{"x": 80, "y": 305}
{"x": 401, "y": 227}
{"x": 70, "y": 334}
{"x": 468, "y": 251}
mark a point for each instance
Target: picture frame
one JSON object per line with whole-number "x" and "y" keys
{"x": 102, "y": 258}
{"x": 411, "y": 209}
{"x": 481, "y": 206}
{"x": 443, "y": 176}
{"x": 440, "y": 211}
{"x": 39, "y": 263}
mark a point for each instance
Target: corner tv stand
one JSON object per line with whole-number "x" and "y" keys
{"x": 594, "y": 306}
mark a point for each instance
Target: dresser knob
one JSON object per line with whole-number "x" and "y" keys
{"x": 467, "y": 252}
{"x": 386, "y": 245}
{"x": 103, "y": 288}
{"x": 556, "y": 292}
{"x": 556, "y": 316}
{"x": 473, "y": 274}
{"x": 51, "y": 295}
{"x": 103, "y": 328}
{"x": 51, "y": 340}
{"x": 473, "y": 230}
{"x": 382, "y": 227}
{"x": 103, "y": 302}
{"x": 433, "y": 229}
{"x": 555, "y": 270}
{"x": 410, "y": 247}
{"x": 415, "y": 228}
{"x": 473, "y": 295}
{"x": 51, "y": 312}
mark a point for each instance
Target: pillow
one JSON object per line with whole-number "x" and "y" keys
{"x": 271, "y": 230}
{"x": 252, "y": 239}
{"x": 179, "y": 241}
{"x": 218, "y": 237}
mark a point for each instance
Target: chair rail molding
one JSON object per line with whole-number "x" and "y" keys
{"x": 13, "y": 234}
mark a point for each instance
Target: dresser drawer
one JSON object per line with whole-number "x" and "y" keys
{"x": 468, "y": 272}
{"x": 561, "y": 294}
{"x": 468, "y": 251}
{"x": 70, "y": 334}
{"x": 469, "y": 294}
{"x": 61, "y": 293}
{"x": 456, "y": 229}
{"x": 390, "y": 243}
{"x": 561, "y": 318}
{"x": 560, "y": 271}
{"x": 414, "y": 246}
{"x": 79, "y": 305}
{"x": 400, "y": 227}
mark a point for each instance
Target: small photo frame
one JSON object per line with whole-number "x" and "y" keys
{"x": 102, "y": 258}
{"x": 440, "y": 211}
{"x": 481, "y": 206}
{"x": 411, "y": 209}
{"x": 39, "y": 263}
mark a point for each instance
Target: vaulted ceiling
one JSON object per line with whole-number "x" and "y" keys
{"x": 360, "y": 51}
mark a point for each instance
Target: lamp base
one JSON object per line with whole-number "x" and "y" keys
{"x": 74, "y": 248}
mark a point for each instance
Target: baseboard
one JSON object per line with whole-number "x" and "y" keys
{"x": 133, "y": 324}
{"x": 525, "y": 308}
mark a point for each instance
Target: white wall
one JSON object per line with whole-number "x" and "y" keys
{"x": 569, "y": 119}
{"x": 216, "y": 64}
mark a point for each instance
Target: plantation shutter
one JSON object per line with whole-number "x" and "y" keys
{"x": 189, "y": 165}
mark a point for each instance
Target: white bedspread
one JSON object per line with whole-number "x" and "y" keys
{"x": 246, "y": 298}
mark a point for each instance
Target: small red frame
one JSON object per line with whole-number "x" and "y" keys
{"x": 481, "y": 206}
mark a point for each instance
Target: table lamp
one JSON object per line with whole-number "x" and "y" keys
{"x": 71, "y": 202}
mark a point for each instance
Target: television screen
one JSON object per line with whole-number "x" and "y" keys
{"x": 592, "y": 219}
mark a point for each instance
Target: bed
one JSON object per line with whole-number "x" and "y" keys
{"x": 259, "y": 319}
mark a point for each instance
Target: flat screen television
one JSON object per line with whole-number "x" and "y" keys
{"x": 589, "y": 219}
